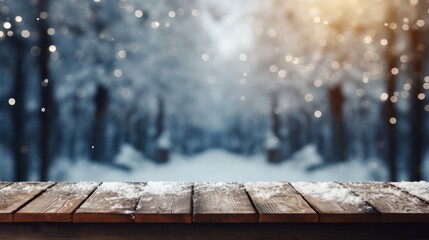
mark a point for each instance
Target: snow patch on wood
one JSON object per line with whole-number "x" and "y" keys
{"x": 329, "y": 191}
{"x": 122, "y": 190}
{"x": 419, "y": 189}
{"x": 267, "y": 190}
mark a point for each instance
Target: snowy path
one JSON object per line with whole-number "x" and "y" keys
{"x": 216, "y": 165}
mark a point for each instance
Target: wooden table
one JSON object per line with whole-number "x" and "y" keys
{"x": 254, "y": 210}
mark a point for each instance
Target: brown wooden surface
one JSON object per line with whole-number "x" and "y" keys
{"x": 169, "y": 202}
{"x": 418, "y": 189}
{"x": 110, "y": 202}
{"x": 335, "y": 203}
{"x": 279, "y": 202}
{"x": 16, "y": 195}
{"x": 56, "y": 204}
{"x": 165, "y": 202}
{"x": 222, "y": 202}
{"x": 4, "y": 184}
{"x": 393, "y": 204}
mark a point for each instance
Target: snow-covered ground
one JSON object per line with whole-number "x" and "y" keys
{"x": 217, "y": 165}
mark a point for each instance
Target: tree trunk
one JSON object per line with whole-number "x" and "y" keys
{"x": 160, "y": 118}
{"x": 162, "y": 151}
{"x": 101, "y": 100}
{"x": 275, "y": 116}
{"x": 47, "y": 95}
{"x": 141, "y": 135}
{"x": 18, "y": 115}
{"x": 417, "y": 105}
{"x": 365, "y": 136}
{"x": 389, "y": 106}
{"x": 273, "y": 153}
{"x": 336, "y": 99}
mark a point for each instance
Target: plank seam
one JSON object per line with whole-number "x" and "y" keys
{"x": 30, "y": 200}
{"x": 251, "y": 201}
{"x": 192, "y": 202}
{"x": 87, "y": 197}
{"x": 7, "y": 184}
{"x": 309, "y": 204}
{"x": 134, "y": 209}
{"x": 378, "y": 212}
{"x": 408, "y": 193}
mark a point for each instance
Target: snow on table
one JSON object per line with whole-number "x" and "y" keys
{"x": 206, "y": 202}
{"x": 111, "y": 202}
{"x": 393, "y": 204}
{"x": 335, "y": 203}
{"x": 418, "y": 189}
{"x": 165, "y": 202}
{"x": 279, "y": 202}
{"x": 222, "y": 202}
{"x": 14, "y": 196}
{"x": 57, "y": 203}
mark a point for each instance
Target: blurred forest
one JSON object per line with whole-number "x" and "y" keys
{"x": 81, "y": 78}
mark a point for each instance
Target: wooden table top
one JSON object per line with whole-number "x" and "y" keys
{"x": 250, "y": 202}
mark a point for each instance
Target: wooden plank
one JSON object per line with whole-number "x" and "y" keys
{"x": 418, "y": 189}
{"x": 335, "y": 203}
{"x": 56, "y": 204}
{"x": 4, "y": 184}
{"x": 111, "y": 202}
{"x": 14, "y": 196}
{"x": 165, "y": 202}
{"x": 393, "y": 204}
{"x": 222, "y": 203}
{"x": 279, "y": 202}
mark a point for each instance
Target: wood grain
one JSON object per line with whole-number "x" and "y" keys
{"x": 168, "y": 202}
{"x": 56, "y": 204}
{"x": 418, "y": 189}
{"x": 393, "y": 204}
{"x": 111, "y": 202}
{"x": 335, "y": 203}
{"x": 16, "y": 195}
{"x": 165, "y": 202}
{"x": 222, "y": 203}
{"x": 279, "y": 202}
{"x": 4, "y": 184}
